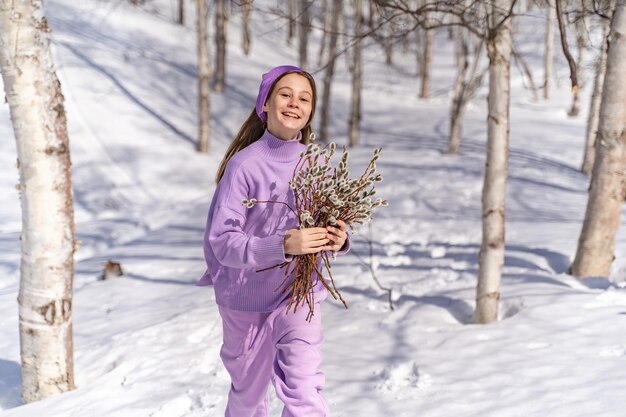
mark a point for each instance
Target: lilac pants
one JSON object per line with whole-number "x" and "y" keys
{"x": 283, "y": 348}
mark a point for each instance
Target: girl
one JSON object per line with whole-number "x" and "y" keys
{"x": 263, "y": 342}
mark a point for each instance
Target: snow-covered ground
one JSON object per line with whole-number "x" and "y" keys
{"x": 147, "y": 344}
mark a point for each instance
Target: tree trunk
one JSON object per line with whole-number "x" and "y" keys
{"x": 355, "y": 106}
{"x": 458, "y": 103}
{"x": 581, "y": 46}
{"x": 323, "y": 41}
{"x": 496, "y": 165}
{"x": 221, "y": 16}
{"x": 596, "y": 244}
{"x": 180, "y": 16}
{"x": 291, "y": 27}
{"x": 35, "y": 100}
{"x": 303, "y": 33}
{"x": 246, "y": 10}
{"x": 549, "y": 52}
{"x": 204, "y": 75}
{"x": 594, "y": 107}
{"x": 330, "y": 69}
{"x": 426, "y": 63}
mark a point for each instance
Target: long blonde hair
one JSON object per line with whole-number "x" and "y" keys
{"x": 252, "y": 129}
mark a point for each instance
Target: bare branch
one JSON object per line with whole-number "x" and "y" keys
{"x": 568, "y": 55}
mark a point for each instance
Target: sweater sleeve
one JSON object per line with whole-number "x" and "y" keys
{"x": 231, "y": 245}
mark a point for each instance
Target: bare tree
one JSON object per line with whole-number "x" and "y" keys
{"x": 355, "y": 105}
{"x": 291, "y": 27}
{"x": 180, "y": 13}
{"x": 204, "y": 75}
{"x": 246, "y": 10}
{"x": 330, "y": 69}
{"x": 548, "y": 57}
{"x": 593, "y": 118}
{"x": 491, "y": 257}
{"x": 36, "y": 104}
{"x": 464, "y": 88}
{"x": 596, "y": 245}
{"x": 221, "y": 26}
{"x": 582, "y": 43}
{"x": 426, "y": 62}
{"x": 304, "y": 25}
{"x": 323, "y": 41}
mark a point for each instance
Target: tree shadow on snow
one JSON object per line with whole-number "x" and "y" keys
{"x": 10, "y": 384}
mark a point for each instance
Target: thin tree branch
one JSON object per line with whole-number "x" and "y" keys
{"x": 568, "y": 55}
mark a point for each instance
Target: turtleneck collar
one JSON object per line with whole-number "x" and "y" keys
{"x": 271, "y": 147}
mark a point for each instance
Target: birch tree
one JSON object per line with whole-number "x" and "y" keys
{"x": 36, "y": 105}
{"x": 548, "y": 57}
{"x": 580, "y": 26}
{"x": 221, "y": 25}
{"x": 596, "y": 245}
{"x": 180, "y": 12}
{"x": 303, "y": 33}
{"x": 330, "y": 69}
{"x": 426, "y": 62}
{"x": 491, "y": 257}
{"x": 593, "y": 117}
{"x": 355, "y": 104}
{"x": 246, "y": 39}
{"x": 291, "y": 26}
{"x": 204, "y": 75}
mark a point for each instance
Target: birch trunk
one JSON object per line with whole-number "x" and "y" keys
{"x": 246, "y": 10}
{"x": 596, "y": 244}
{"x": 220, "y": 44}
{"x": 35, "y": 100}
{"x": 548, "y": 57}
{"x": 593, "y": 118}
{"x": 180, "y": 16}
{"x": 291, "y": 28}
{"x": 204, "y": 75}
{"x": 355, "y": 106}
{"x": 330, "y": 69}
{"x": 496, "y": 165}
{"x": 426, "y": 62}
{"x": 303, "y": 33}
{"x": 581, "y": 47}
{"x": 323, "y": 41}
{"x": 458, "y": 105}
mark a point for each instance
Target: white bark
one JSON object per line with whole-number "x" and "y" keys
{"x": 291, "y": 27}
{"x": 496, "y": 166}
{"x": 355, "y": 105}
{"x": 593, "y": 118}
{"x": 303, "y": 33}
{"x": 35, "y": 100}
{"x": 458, "y": 103}
{"x": 246, "y": 39}
{"x": 221, "y": 17}
{"x": 581, "y": 47}
{"x": 330, "y": 69}
{"x": 180, "y": 15}
{"x": 323, "y": 41}
{"x": 204, "y": 75}
{"x": 596, "y": 244}
{"x": 426, "y": 64}
{"x": 549, "y": 52}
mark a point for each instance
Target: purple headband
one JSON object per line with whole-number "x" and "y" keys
{"x": 268, "y": 80}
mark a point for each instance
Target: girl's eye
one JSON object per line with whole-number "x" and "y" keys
{"x": 284, "y": 95}
{"x": 306, "y": 100}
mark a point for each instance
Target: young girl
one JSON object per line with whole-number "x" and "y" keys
{"x": 262, "y": 341}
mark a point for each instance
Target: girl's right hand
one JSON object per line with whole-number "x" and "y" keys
{"x": 305, "y": 241}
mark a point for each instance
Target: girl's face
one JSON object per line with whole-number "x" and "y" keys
{"x": 289, "y": 106}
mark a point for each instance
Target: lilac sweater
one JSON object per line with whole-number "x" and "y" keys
{"x": 238, "y": 241}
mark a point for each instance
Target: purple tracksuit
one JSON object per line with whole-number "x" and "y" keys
{"x": 261, "y": 342}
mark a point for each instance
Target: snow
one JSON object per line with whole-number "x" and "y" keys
{"x": 147, "y": 343}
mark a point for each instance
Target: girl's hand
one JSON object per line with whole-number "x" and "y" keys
{"x": 337, "y": 236}
{"x": 305, "y": 241}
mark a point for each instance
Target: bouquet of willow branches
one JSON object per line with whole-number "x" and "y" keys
{"x": 323, "y": 195}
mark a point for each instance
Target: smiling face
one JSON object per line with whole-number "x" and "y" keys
{"x": 289, "y": 106}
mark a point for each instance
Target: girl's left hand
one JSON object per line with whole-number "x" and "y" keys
{"x": 337, "y": 236}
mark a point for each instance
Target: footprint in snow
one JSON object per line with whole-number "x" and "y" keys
{"x": 403, "y": 379}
